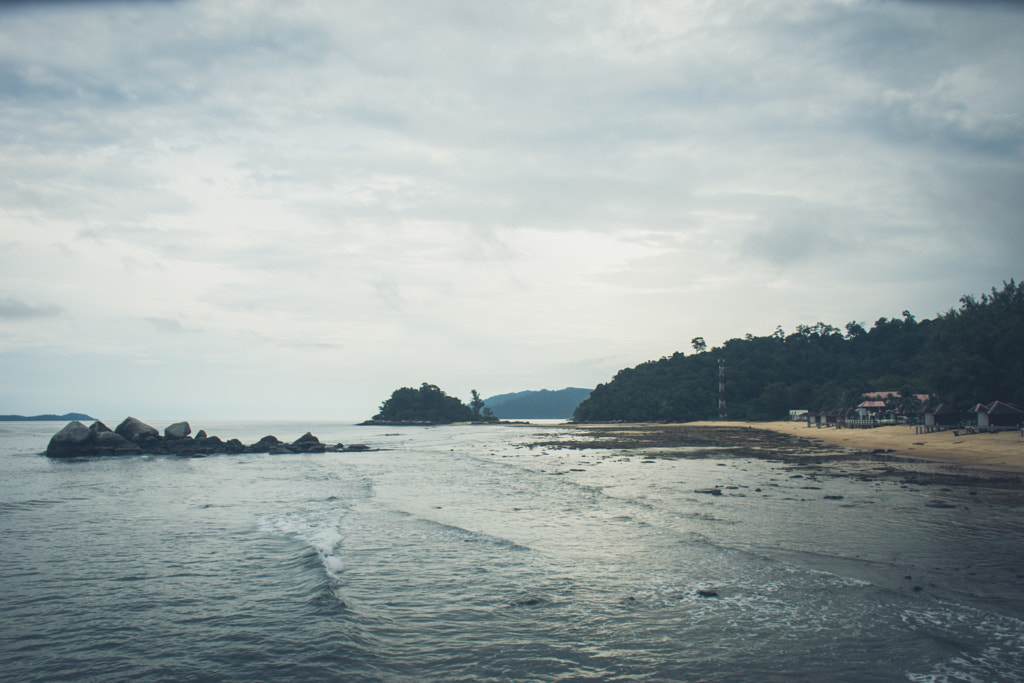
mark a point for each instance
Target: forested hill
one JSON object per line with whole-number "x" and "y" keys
{"x": 524, "y": 405}
{"x": 972, "y": 353}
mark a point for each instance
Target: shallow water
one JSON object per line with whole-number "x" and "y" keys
{"x": 460, "y": 553}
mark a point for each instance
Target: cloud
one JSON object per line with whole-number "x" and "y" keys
{"x": 459, "y": 190}
{"x": 17, "y": 309}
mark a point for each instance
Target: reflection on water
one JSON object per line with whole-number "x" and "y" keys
{"x": 463, "y": 554}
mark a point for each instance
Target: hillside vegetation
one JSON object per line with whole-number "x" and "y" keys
{"x": 972, "y": 353}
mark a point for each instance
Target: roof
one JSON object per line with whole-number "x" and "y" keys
{"x": 1001, "y": 408}
{"x": 881, "y": 395}
{"x": 871, "y": 404}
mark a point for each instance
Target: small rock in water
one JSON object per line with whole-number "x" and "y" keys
{"x": 713, "y": 492}
{"x": 707, "y": 593}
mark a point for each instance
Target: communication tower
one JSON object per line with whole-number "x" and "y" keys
{"x": 721, "y": 388}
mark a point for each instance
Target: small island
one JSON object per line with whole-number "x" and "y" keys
{"x": 429, "y": 405}
{"x": 45, "y": 418}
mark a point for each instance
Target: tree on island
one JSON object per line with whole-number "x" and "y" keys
{"x": 429, "y": 404}
{"x": 476, "y": 403}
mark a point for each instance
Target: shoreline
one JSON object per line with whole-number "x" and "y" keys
{"x": 992, "y": 452}
{"x": 998, "y": 451}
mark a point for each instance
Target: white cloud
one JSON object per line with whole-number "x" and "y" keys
{"x": 302, "y": 206}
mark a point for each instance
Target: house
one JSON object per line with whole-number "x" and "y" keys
{"x": 941, "y": 416}
{"x": 997, "y": 416}
{"x": 874, "y": 411}
{"x": 885, "y": 407}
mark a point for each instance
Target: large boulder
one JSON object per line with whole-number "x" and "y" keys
{"x": 112, "y": 443}
{"x": 97, "y": 427}
{"x": 74, "y": 439}
{"x": 178, "y": 430}
{"x": 264, "y": 445}
{"x": 209, "y": 444}
{"x": 307, "y": 443}
{"x": 136, "y": 430}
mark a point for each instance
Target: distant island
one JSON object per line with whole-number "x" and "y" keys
{"x": 543, "y": 404}
{"x": 45, "y": 418}
{"x": 429, "y": 405}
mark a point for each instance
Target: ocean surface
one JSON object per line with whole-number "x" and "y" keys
{"x": 466, "y": 554}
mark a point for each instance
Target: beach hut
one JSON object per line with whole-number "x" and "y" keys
{"x": 998, "y": 415}
{"x": 941, "y": 416}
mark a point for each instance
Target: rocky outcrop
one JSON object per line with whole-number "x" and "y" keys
{"x": 178, "y": 430}
{"x": 70, "y": 440}
{"x": 134, "y": 437}
{"x": 135, "y": 430}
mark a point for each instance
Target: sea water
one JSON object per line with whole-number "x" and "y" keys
{"x": 472, "y": 554}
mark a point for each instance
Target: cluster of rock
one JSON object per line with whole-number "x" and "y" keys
{"x": 134, "y": 437}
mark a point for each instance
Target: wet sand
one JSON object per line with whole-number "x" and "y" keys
{"x": 1002, "y": 451}
{"x": 938, "y": 457}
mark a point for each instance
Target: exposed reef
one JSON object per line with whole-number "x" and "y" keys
{"x": 134, "y": 437}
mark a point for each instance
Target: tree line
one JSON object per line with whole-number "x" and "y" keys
{"x": 973, "y": 353}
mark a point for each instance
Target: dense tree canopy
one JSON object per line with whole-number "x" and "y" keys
{"x": 426, "y": 404}
{"x": 970, "y": 354}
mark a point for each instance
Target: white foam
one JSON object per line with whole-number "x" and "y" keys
{"x": 321, "y": 532}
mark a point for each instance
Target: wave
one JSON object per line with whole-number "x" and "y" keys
{"x": 22, "y": 505}
{"x": 457, "y": 533}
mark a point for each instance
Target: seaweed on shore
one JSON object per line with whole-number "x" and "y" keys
{"x": 669, "y": 441}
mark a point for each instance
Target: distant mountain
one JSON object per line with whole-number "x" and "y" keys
{"x": 69, "y": 417}
{"x": 542, "y": 404}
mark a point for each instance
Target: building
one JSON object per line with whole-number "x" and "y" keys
{"x": 997, "y": 416}
{"x": 941, "y": 416}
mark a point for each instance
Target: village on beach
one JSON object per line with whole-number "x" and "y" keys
{"x": 886, "y": 408}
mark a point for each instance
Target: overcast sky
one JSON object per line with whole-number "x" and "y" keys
{"x": 269, "y": 209}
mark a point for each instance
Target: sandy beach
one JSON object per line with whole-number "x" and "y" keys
{"x": 999, "y": 452}
{"x": 1003, "y": 451}
{"x": 995, "y": 453}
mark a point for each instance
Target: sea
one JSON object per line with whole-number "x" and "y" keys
{"x": 487, "y": 553}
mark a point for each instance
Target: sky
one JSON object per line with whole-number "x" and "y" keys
{"x": 267, "y": 210}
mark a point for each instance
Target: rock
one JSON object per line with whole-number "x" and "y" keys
{"x": 112, "y": 443}
{"x": 134, "y": 437}
{"x": 97, "y": 427}
{"x": 185, "y": 446}
{"x": 264, "y": 445}
{"x": 74, "y": 439}
{"x": 713, "y": 492}
{"x": 178, "y": 430}
{"x": 134, "y": 430}
{"x": 707, "y": 593}
{"x": 307, "y": 443}
{"x": 209, "y": 444}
